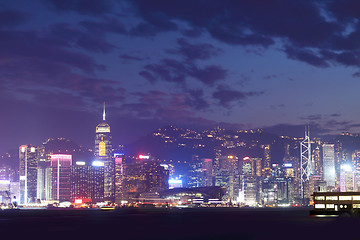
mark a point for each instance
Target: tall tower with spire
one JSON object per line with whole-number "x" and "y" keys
{"x": 103, "y": 153}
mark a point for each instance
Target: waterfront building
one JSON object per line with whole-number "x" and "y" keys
{"x": 195, "y": 176}
{"x": 228, "y": 176}
{"x": 329, "y": 165}
{"x": 208, "y": 172}
{"x": 119, "y": 177}
{"x": 346, "y": 178}
{"x": 61, "y": 184}
{"x": 28, "y": 156}
{"x": 103, "y": 153}
{"x": 144, "y": 175}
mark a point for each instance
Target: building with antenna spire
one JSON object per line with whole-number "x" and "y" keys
{"x": 103, "y": 153}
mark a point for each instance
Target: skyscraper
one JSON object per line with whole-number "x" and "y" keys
{"x": 329, "y": 164}
{"x": 61, "y": 184}
{"x": 28, "y": 156}
{"x": 103, "y": 153}
{"x": 119, "y": 177}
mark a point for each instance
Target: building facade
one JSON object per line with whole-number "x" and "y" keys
{"x": 103, "y": 153}
{"x": 28, "y": 156}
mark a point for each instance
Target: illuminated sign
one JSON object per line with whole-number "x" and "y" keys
{"x": 23, "y": 149}
{"x": 144, "y": 156}
{"x": 175, "y": 181}
{"x": 80, "y": 163}
{"x": 207, "y": 160}
{"x": 287, "y": 165}
{"x": 102, "y": 129}
{"x": 118, "y": 160}
{"x": 97, "y": 164}
{"x": 102, "y": 149}
{"x": 230, "y": 157}
{"x": 78, "y": 200}
{"x": 32, "y": 149}
{"x": 246, "y": 158}
{"x": 118, "y": 154}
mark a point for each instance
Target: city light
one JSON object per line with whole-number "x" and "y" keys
{"x": 97, "y": 163}
{"x": 144, "y": 156}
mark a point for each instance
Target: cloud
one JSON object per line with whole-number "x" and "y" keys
{"x": 12, "y": 18}
{"x": 129, "y": 58}
{"x": 171, "y": 70}
{"x": 85, "y": 7}
{"x": 192, "y": 52}
{"x": 226, "y": 96}
{"x": 306, "y": 56}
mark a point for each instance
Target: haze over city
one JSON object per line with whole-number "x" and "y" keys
{"x": 275, "y": 65}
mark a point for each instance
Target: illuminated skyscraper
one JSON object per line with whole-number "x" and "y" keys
{"x": 87, "y": 180}
{"x": 329, "y": 164}
{"x": 346, "y": 178}
{"x": 103, "y": 153}
{"x": 119, "y": 177}
{"x": 208, "y": 172}
{"x": 61, "y": 184}
{"x": 267, "y": 156}
{"x": 28, "y": 156}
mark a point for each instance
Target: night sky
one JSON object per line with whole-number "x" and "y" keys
{"x": 239, "y": 64}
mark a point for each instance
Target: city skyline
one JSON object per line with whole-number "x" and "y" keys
{"x": 248, "y": 65}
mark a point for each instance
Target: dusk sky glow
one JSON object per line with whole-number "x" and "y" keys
{"x": 276, "y": 65}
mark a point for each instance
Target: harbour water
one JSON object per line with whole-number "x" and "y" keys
{"x": 189, "y": 224}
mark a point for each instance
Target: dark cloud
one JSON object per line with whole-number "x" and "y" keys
{"x": 196, "y": 99}
{"x": 12, "y": 18}
{"x": 226, "y": 96}
{"x": 193, "y": 52}
{"x": 128, "y": 58}
{"x": 30, "y": 45}
{"x": 86, "y": 7}
{"x": 109, "y": 25}
{"x": 171, "y": 70}
{"x": 305, "y": 55}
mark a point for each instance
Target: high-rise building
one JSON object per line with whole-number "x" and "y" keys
{"x": 195, "y": 176}
{"x": 346, "y": 178}
{"x": 144, "y": 175}
{"x": 208, "y": 172}
{"x": 119, "y": 177}
{"x": 228, "y": 176}
{"x": 61, "y": 184}
{"x": 329, "y": 164}
{"x": 80, "y": 180}
{"x": 316, "y": 162}
{"x": 103, "y": 153}
{"x": 87, "y": 181}
{"x": 267, "y": 156}
{"x": 28, "y": 156}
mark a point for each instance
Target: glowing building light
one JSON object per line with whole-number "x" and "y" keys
{"x": 97, "y": 164}
{"x": 78, "y": 201}
{"x": 80, "y": 163}
{"x": 246, "y": 158}
{"x": 144, "y": 156}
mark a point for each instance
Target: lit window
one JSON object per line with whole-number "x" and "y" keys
{"x": 345, "y": 198}
{"x": 356, "y": 197}
{"x": 319, "y": 205}
{"x": 331, "y": 197}
{"x": 319, "y": 197}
